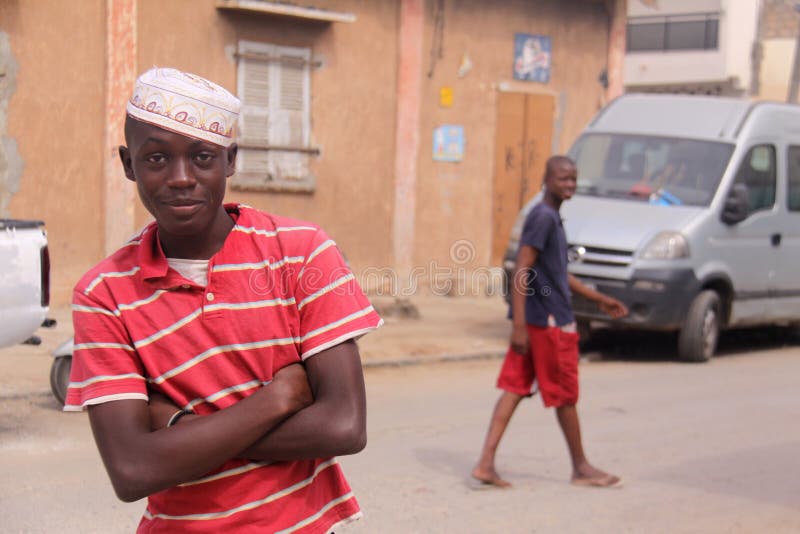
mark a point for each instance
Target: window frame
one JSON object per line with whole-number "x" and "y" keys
{"x": 789, "y": 182}
{"x": 710, "y": 36}
{"x": 278, "y": 153}
{"x": 745, "y": 160}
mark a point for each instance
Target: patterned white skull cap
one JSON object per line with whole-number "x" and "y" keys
{"x": 185, "y": 103}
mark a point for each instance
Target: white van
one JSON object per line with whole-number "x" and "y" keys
{"x": 687, "y": 210}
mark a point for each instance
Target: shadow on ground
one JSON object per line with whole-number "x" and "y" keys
{"x": 623, "y": 345}
{"x": 761, "y": 474}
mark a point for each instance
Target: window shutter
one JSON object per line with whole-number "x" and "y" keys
{"x": 275, "y": 89}
{"x": 291, "y": 114}
{"x": 254, "y": 91}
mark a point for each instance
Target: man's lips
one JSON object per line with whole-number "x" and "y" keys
{"x": 183, "y": 207}
{"x": 182, "y": 202}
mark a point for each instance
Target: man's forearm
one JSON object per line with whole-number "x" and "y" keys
{"x": 320, "y": 431}
{"x": 141, "y": 462}
{"x": 520, "y": 284}
{"x": 336, "y": 424}
{"x": 576, "y": 286}
{"x": 518, "y": 289}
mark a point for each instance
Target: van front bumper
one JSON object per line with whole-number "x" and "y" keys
{"x": 657, "y": 299}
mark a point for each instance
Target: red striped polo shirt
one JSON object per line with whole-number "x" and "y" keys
{"x": 278, "y": 291}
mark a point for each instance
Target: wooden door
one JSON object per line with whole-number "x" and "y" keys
{"x": 523, "y": 142}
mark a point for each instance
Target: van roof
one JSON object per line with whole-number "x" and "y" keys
{"x": 697, "y": 117}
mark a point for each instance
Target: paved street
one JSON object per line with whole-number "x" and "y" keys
{"x": 703, "y": 448}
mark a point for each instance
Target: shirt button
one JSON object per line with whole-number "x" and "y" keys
{"x": 210, "y": 296}
{"x": 185, "y": 286}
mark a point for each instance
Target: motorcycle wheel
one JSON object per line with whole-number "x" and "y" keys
{"x": 59, "y": 377}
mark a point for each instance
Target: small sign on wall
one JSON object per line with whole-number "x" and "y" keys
{"x": 448, "y": 143}
{"x": 532, "y": 57}
{"x": 446, "y": 97}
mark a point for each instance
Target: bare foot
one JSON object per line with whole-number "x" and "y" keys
{"x": 588, "y": 475}
{"x": 489, "y": 477}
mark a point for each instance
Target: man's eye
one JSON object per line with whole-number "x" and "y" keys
{"x": 204, "y": 158}
{"x": 156, "y": 158}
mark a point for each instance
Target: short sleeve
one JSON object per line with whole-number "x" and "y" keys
{"x": 330, "y": 301}
{"x": 537, "y": 229}
{"x": 105, "y": 366}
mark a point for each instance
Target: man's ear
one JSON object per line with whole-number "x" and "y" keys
{"x": 127, "y": 164}
{"x": 230, "y": 164}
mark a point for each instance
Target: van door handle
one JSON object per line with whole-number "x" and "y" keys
{"x": 775, "y": 239}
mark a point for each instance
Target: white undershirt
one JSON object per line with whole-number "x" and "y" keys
{"x": 194, "y": 270}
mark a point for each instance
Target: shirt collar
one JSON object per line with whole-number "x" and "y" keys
{"x": 153, "y": 261}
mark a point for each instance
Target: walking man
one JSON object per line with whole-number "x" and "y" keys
{"x": 214, "y": 351}
{"x": 544, "y": 339}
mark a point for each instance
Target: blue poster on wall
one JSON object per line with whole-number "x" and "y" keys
{"x": 532, "y": 57}
{"x": 448, "y": 143}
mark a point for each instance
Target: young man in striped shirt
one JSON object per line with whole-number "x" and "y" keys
{"x": 189, "y": 339}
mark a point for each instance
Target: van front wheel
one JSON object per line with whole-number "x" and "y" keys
{"x": 697, "y": 341}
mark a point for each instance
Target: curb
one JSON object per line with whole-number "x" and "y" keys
{"x": 439, "y": 358}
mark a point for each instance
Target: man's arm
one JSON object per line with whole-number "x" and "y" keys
{"x": 608, "y": 305}
{"x": 526, "y": 259}
{"x": 335, "y": 424}
{"x": 141, "y": 462}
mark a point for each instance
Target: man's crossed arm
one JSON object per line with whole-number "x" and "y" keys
{"x": 313, "y": 413}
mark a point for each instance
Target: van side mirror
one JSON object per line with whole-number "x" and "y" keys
{"x": 737, "y": 205}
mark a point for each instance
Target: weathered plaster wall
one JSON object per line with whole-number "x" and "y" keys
{"x": 352, "y": 106}
{"x": 10, "y": 160}
{"x": 454, "y": 200}
{"x": 55, "y": 114}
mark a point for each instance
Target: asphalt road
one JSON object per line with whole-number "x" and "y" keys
{"x": 702, "y": 448}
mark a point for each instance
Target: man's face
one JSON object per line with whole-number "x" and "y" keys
{"x": 181, "y": 180}
{"x": 562, "y": 180}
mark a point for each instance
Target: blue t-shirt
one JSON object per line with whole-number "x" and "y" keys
{"x": 548, "y": 287}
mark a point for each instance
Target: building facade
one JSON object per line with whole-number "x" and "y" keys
{"x": 719, "y": 47}
{"x": 411, "y": 130}
{"x": 691, "y": 46}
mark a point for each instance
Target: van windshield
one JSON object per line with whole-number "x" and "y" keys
{"x": 659, "y": 170}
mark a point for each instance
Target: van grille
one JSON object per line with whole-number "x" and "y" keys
{"x": 599, "y": 256}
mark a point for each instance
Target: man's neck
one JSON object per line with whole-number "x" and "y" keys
{"x": 198, "y": 247}
{"x": 552, "y": 201}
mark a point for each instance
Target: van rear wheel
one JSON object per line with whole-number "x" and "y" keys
{"x": 698, "y": 338}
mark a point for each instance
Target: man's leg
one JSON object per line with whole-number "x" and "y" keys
{"x": 503, "y": 410}
{"x": 583, "y": 473}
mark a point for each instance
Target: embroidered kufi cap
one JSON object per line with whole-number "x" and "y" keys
{"x": 186, "y": 104}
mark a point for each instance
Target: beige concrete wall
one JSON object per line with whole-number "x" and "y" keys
{"x": 56, "y": 117}
{"x": 352, "y": 106}
{"x": 776, "y": 68}
{"x": 454, "y": 200}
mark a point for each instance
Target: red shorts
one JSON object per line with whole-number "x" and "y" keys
{"x": 552, "y": 362}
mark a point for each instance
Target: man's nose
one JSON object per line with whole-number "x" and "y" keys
{"x": 182, "y": 174}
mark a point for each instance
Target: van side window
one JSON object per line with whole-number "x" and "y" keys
{"x": 794, "y": 178}
{"x": 757, "y": 174}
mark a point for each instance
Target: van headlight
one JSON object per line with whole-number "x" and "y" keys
{"x": 666, "y": 246}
